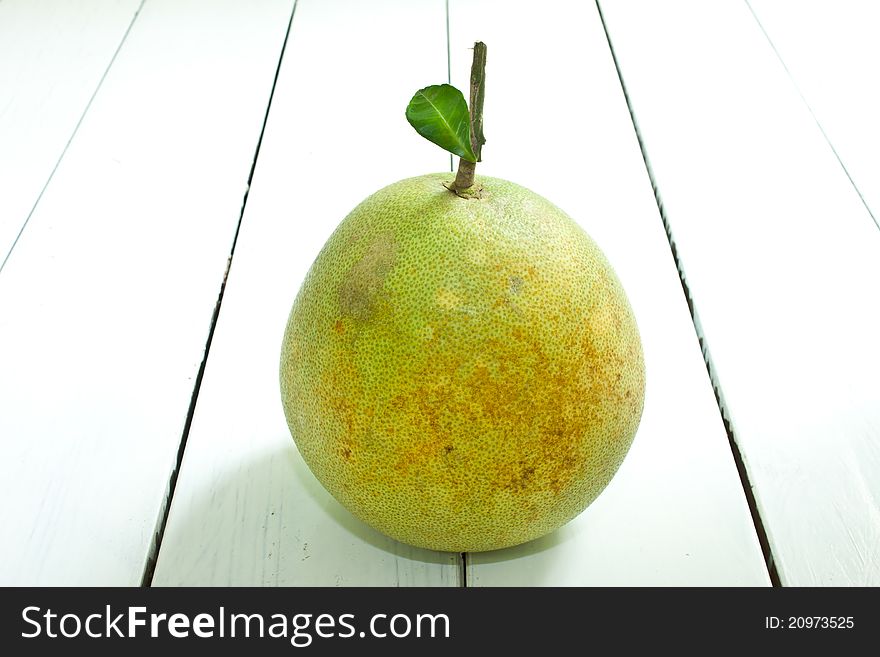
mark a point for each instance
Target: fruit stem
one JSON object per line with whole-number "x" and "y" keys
{"x": 464, "y": 179}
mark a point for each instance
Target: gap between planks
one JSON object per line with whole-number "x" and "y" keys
{"x": 757, "y": 520}
{"x": 162, "y": 522}
{"x": 812, "y": 113}
{"x": 72, "y": 135}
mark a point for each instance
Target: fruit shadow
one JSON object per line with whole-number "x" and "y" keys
{"x": 536, "y": 546}
{"x": 342, "y": 517}
{"x": 271, "y": 500}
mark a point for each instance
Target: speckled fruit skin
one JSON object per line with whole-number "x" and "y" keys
{"x": 462, "y": 374}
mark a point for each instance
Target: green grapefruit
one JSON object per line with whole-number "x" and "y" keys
{"x": 462, "y": 373}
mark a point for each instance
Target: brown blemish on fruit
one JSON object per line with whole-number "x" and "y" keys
{"x": 515, "y": 284}
{"x": 519, "y": 481}
{"x": 363, "y": 282}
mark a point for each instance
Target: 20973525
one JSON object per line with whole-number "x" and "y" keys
{"x": 809, "y": 622}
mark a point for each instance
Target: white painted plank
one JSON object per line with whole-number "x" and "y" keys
{"x": 832, "y": 52}
{"x": 246, "y": 510}
{"x": 53, "y": 54}
{"x": 106, "y": 301}
{"x": 557, "y": 122}
{"x": 783, "y": 264}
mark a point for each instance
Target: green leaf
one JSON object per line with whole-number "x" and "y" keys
{"x": 439, "y": 113}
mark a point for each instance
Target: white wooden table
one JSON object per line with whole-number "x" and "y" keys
{"x": 170, "y": 168}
